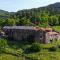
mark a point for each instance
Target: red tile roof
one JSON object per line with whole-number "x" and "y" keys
{"x": 52, "y": 33}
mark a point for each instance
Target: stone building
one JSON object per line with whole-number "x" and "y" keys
{"x": 43, "y": 35}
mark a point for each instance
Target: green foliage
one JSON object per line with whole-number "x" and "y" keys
{"x": 53, "y": 48}
{"x": 36, "y": 51}
{"x": 10, "y": 22}
{"x": 3, "y": 43}
{"x": 59, "y": 46}
{"x": 53, "y": 20}
{"x": 44, "y": 25}
{"x": 24, "y": 21}
{"x": 56, "y": 28}
{"x": 44, "y": 56}
{"x": 59, "y": 19}
{"x": 33, "y": 48}
{"x": 44, "y": 16}
{"x": 11, "y": 57}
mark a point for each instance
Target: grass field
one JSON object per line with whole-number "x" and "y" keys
{"x": 33, "y": 56}
{"x": 44, "y": 56}
{"x": 15, "y": 51}
{"x": 57, "y": 28}
{"x": 10, "y": 57}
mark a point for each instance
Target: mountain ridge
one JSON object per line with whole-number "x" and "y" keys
{"x": 52, "y": 8}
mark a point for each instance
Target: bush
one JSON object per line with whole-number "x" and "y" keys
{"x": 2, "y": 50}
{"x": 3, "y": 43}
{"x": 58, "y": 46}
{"x": 53, "y": 48}
{"x": 34, "y": 48}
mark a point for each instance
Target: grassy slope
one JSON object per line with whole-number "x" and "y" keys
{"x": 57, "y": 28}
{"x": 45, "y": 54}
{"x": 33, "y": 56}
{"x": 10, "y": 57}
{"x": 15, "y": 51}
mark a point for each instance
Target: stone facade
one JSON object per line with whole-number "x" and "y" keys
{"x": 52, "y": 37}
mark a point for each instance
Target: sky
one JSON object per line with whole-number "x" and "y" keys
{"x": 15, "y": 5}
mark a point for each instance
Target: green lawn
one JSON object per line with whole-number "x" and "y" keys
{"x": 33, "y": 56}
{"x": 10, "y": 57}
{"x": 57, "y": 28}
{"x": 15, "y": 51}
{"x": 44, "y": 56}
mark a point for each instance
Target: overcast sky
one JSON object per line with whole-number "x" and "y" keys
{"x": 15, "y": 5}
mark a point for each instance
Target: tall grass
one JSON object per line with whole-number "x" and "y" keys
{"x": 14, "y": 50}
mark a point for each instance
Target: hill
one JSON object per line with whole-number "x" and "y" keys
{"x": 47, "y": 14}
{"x": 52, "y": 9}
{"x": 3, "y": 14}
{"x": 42, "y": 16}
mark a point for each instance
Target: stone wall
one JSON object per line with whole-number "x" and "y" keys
{"x": 52, "y": 38}
{"x": 17, "y": 34}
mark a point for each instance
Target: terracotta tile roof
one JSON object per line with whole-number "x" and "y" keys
{"x": 43, "y": 29}
{"x": 52, "y": 33}
{"x": 38, "y": 28}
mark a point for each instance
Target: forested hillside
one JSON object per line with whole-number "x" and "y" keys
{"x": 4, "y": 14}
{"x": 42, "y": 16}
{"x": 49, "y": 14}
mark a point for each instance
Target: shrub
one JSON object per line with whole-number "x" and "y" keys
{"x": 53, "y": 48}
{"x": 3, "y": 43}
{"x": 34, "y": 48}
{"x": 2, "y": 50}
{"x": 58, "y": 46}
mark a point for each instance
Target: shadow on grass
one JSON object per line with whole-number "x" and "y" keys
{"x": 17, "y": 44}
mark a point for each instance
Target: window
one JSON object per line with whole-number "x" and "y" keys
{"x": 51, "y": 40}
{"x": 40, "y": 36}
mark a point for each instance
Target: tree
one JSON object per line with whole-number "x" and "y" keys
{"x": 10, "y": 22}
{"x": 53, "y": 20}
{"x": 59, "y": 19}
{"x": 24, "y": 21}
{"x": 35, "y": 47}
{"x": 2, "y": 23}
